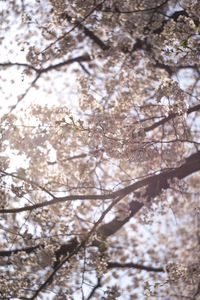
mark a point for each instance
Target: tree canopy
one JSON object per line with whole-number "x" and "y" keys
{"x": 100, "y": 149}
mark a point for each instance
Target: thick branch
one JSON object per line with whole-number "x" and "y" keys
{"x": 160, "y": 181}
{"x": 154, "y": 188}
{"x": 170, "y": 117}
{"x": 174, "y": 17}
{"x": 112, "y": 265}
{"x": 30, "y": 249}
{"x": 86, "y": 31}
{"x": 118, "y": 11}
{"x": 56, "y": 200}
{"x": 78, "y": 59}
{"x": 154, "y": 184}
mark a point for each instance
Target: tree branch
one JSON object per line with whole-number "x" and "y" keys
{"x": 134, "y": 11}
{"x": 98, "y": 284}
{"x": 155, "y": 184}
{"x": 174, "y": 17}
{"x": 161, "y": 181}
{"x": 154, "y": 187}
{"x": 171, "y": 116}
{"x": 87, "y": 32}
{"x": 6, "y": 253}
{"x": 75, "y": 26}
{"x": 78, "y": 59}
{"x": 112, "y": 265}
{"x": 76, "y": 249}
{"x": 69, "y": 61}
{"x": 26, "y": 92}
{"x": 10, "y": 64}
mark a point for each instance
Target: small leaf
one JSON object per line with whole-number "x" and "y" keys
{"x": 156, "y": 285}
{"x": 184, "y": 43}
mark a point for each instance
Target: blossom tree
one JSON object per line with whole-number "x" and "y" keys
{"x": 100, "y": 153}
